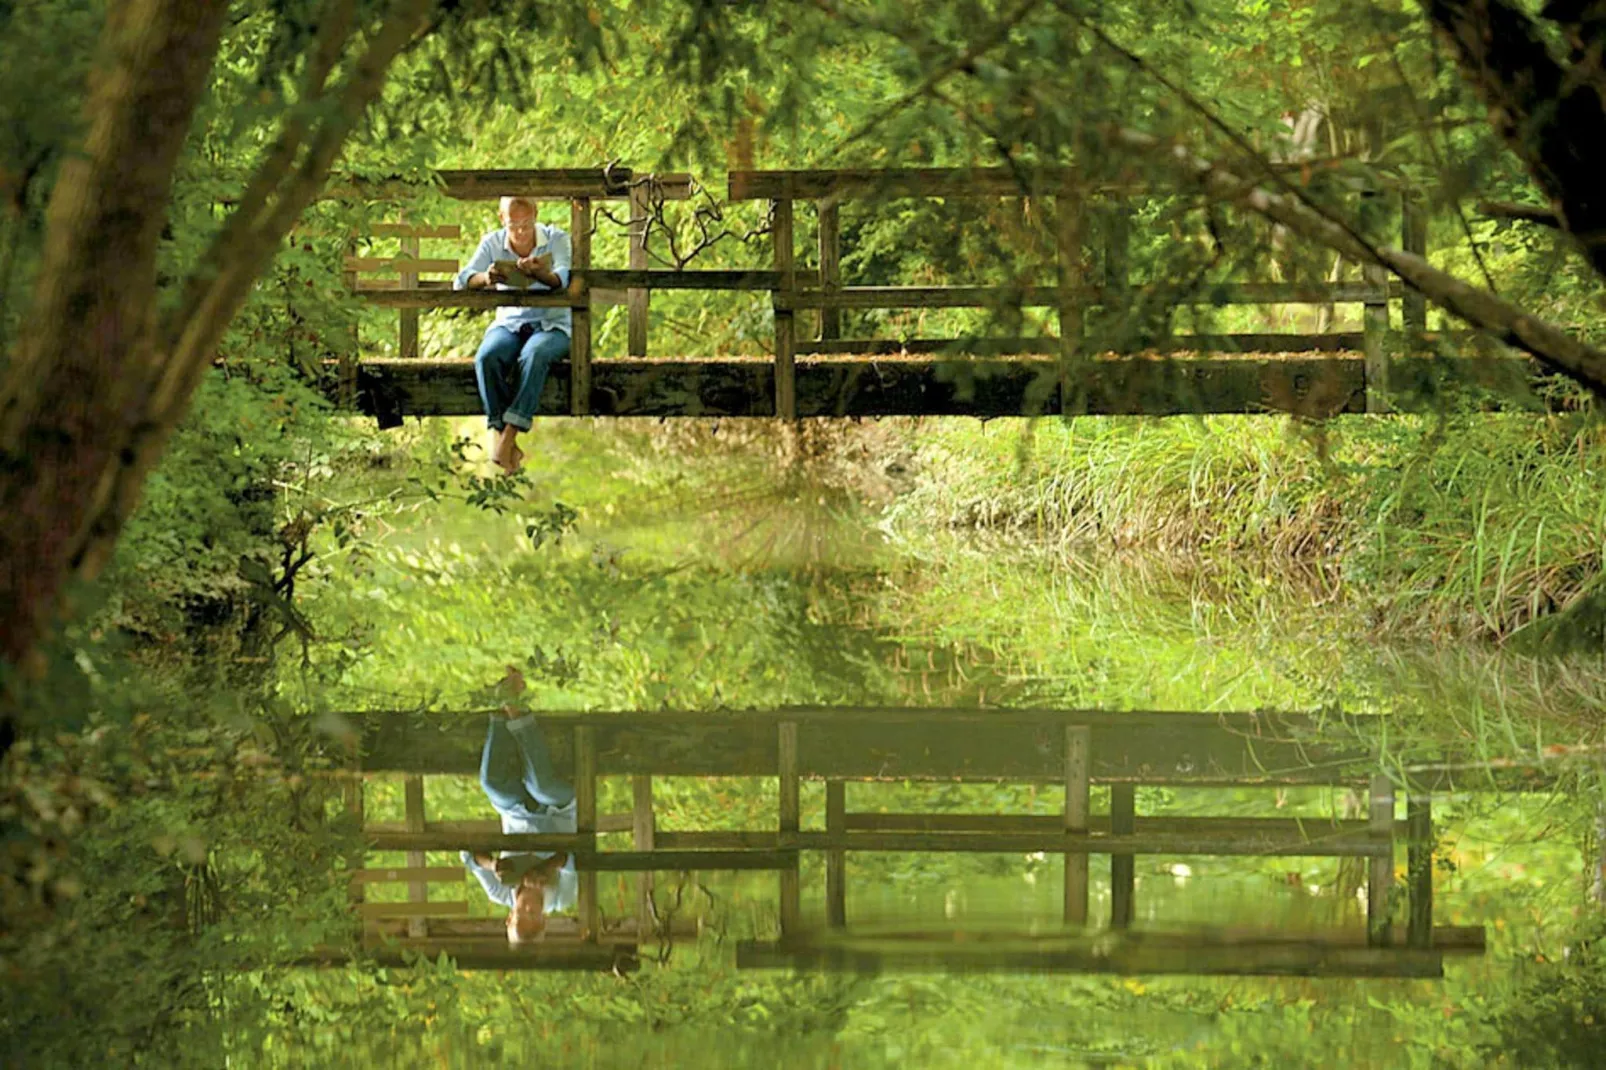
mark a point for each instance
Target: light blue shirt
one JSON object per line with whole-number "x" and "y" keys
{"x": 561, "y": 893}
{"x": 494, "y": 246}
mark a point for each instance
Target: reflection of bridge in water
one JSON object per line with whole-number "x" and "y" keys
{"x": 1075, "y": 749}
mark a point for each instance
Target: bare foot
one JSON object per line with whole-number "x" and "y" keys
{"x": 507, "y": 454}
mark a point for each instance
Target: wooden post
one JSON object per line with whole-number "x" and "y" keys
{"x": 636, "y": 300}
{"x": 417, "y": 891}
{"x": 1068, "y": 244}
{"x": 1077, "y": 740}
{"x": 644, "y": 830}
{"x": 791, "y": 897}
{"x": 830, "y": 267}
{"x": 836, "y": 870}
{"x": 1419, "y": 867}
{"x": 1375, "y": 338}
{"x": 1123, "y": 822}
{"x": 585, "y": 821}
{"x": 785, "y": 354}
{"x": 1413, "y": 239}
{"x": 351, "y": 356}
{"x": 580, "y": 312}
{"x": 352, "y": 792}
{"x": 1117, "y": 276}
{"x": 1380, "y": 870}
{"x": 407, "y": 334}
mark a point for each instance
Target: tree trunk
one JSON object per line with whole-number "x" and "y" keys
{"x": 1552, "y": 116}
{"x": 70, "y": 411}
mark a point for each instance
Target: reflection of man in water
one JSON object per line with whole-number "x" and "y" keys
{"x": 517, "y": 775}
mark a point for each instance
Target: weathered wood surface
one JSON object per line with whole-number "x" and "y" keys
{"x": 1235, "y": 293}
{"x": 1126, "y": 957}
{"x": 1179, "y": 748}
{"x": 397, "y": 874}
{"x": 897, "y": 182}
{"x": 1312, "y": 387}
{"x": 1047, "y": 345}
{"x": 485, "y": 955}
{"x": 488, "y": 184}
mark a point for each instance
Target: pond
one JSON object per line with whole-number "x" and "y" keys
{"x": 756, "y": 571}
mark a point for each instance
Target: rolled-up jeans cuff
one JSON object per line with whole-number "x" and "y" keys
{"x": 520, "y": 422}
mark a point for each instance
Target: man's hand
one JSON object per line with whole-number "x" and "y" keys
{"x": 535, "y": 265}
{"x": 484, "y": 861}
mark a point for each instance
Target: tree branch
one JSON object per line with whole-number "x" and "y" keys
{"x": 1531, "y": 213}
{"x": 1512, "y": 324}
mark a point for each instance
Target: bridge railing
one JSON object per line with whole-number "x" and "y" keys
{"x": 823, "y": 290}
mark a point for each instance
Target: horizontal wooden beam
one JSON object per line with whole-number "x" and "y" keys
{"x": 605, "y": 823}
{"x": 481, "y": 299}
{"x": 1238, "y": 293}
{"x": 842, "y": 387}
{"x": 443, "y": 909}
{"x": 398, "y": 264}
{"x": 428, "y": 874}
{"x": 481, "y": 185}
{"x": 654, "y": 279}
{"x": 1151, "y": 747}
{"x": 484, "y": 955}
{"x": 778, "y": 850}
{"x": 974, "y": 930}
{"x": 411, "y": 230}
{"x": 1315, "y": 960}
{"x": 899, "y": 182}
{"x": 1329, "y": 342}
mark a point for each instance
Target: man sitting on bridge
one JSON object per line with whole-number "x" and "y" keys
{"x": 517, "y": 776}
{"x": 521, "y": 344}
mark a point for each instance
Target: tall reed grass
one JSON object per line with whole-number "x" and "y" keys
{"x": 1474, "y": 525}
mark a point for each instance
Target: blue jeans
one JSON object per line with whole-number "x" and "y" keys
{"x": 516, "y": 770}
{"x": 511, "y": 367}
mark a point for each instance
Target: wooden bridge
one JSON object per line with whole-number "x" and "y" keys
{"x": 826, "y": 375}
{"x": 1071, "y": 749}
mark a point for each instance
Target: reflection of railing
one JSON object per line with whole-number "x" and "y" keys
{"x": 1073, "y": 749}
{"x": 1075, "y": 383}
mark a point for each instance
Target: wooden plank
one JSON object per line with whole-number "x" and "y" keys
{"x": 643, "y": 836}
{"x": 1380, "y": 872}
{"x": 580, "y": 315}
{"x": 1313, "y": 387}
{"x": 1449, "y": 939}
{"x": 872, "y": 183}
{"x": 407, "y": 334}
{"x": 1256, "y": 293}
{"x": 408, "y": 262}
{"x": 788, "y": 821}
{"x": 637, "y": 299}
{"x": 368, "y": 285}
{"x": 1273, "y": 960}
{"x": 493, "y": 183}
{"x": 785, "y": 371}
{"x": 491, "y": 825}
{"x": 880, "y": 743}
{"x": 413, "y": 807}
{"x": 352, "y": 790}
{"x": 400, "y": 874}
{"x": 666, "y": 861}
{"x": 1078, "y": 742}
{"x": 1419, "y": 867}
{"x": 1313, "y": 829}
{"x": 484, "y": 299}
{"x": 585, "y": 820}
{"x": 485, "y": 955}
{"x": 437, "y": 909}
{"x": 660, "y": 279}
{"x": 1333, "y": 342}
{"x": 836, "y": 869}
{"x": 830, "y": 266}
{"x": 411, "y": 230}
{"x": 1123, "y": 885}
{"x": 1376, "y": 342}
